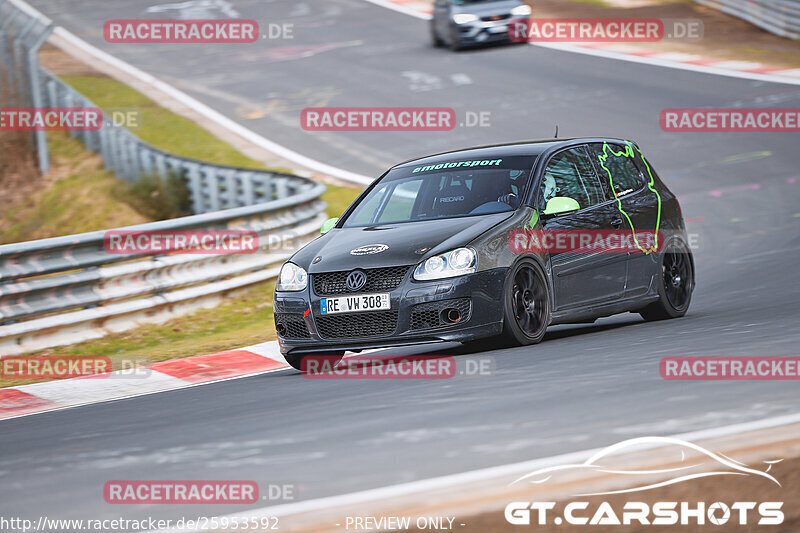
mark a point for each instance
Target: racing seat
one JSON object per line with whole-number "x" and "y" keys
{"x": 454, "y": 199}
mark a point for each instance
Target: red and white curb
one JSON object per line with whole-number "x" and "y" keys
{"x": 638, "y": 54}
{"x": 158, "y": 377}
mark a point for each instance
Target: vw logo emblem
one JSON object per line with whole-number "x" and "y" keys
{"x": 356, "y": 280}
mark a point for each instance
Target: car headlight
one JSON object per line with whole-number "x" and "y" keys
{"x": 448, "y": 265}
{"x": 291, "y": 278}
{"x": 463, "y": 18}
{"x": 521, "y": 10}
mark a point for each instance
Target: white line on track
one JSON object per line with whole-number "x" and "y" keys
{"x": 183, "y": 386}
{"x": 654, "y": 61}
{"x": 209, "y": 113}
{"x": 414, "y": 487}
{"x": 607, "y": 54}
{"x": 401, "y": 9}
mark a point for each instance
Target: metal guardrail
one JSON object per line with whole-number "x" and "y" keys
{"x": 781, "y": 17}
{"x": 22, "y": 33}
{"x": 67, "y": 289}
{"x": 212, "y": 187}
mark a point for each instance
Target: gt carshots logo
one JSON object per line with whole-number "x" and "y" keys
{"x": 657, "y": 513}
{"x": 369, "y": 249}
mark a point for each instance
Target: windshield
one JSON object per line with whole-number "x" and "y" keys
{"x": 451, "y": 189}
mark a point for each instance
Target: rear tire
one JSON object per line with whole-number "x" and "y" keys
{"x": 296, "y": 361}
{"x": 526, "y": 304}
{"x": 675, "y": 287}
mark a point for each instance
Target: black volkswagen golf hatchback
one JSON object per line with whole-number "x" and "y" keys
{"x": 496, "y": 241}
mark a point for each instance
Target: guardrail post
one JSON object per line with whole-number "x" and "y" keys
{"x": 161, "y": 165}
{"x": 247, "y": 188}
{"x": 232, "y": 189}
{"x": 193, "y": 174}
{"x": 36, "y": 93}
{"x": 281, "y": 190}
{"x": 212, "y": 187}
{"x": 104, "y": 147}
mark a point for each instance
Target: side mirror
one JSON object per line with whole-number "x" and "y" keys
{"x": 561, "y": 204}
{"x": 328, "y": 225}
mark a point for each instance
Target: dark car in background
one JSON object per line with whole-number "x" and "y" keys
{"x": 427, "y": 252}
{"x": 462, "y": 23}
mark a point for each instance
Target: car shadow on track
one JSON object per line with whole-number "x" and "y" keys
{"x": 561, "y": 331}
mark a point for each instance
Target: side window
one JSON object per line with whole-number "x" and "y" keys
{"x": 617, "y": 168}
{"x": 570, "y": 174}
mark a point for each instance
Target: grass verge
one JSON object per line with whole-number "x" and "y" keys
{"x": 173, "y": 133}
{"x": 76, "y": 196}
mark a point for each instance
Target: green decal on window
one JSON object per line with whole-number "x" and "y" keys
{"x": 628, "y": 152}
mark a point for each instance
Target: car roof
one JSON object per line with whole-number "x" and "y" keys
{"x": 519, "y": 148}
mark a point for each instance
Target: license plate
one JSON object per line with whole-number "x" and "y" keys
{"x": 498, "y": 29}
{"x": 357, "y": 302}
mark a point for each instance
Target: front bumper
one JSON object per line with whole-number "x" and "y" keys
{"x": 415, "y": 305}
{"x": 484, "y": 31}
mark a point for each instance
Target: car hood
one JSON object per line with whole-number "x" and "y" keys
{"x": 392, "y": 244}
{"x": 488, "y": 8}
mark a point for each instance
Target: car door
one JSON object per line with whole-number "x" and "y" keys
{"x": 623, "y": 173}
{"x": 580, "y": 278}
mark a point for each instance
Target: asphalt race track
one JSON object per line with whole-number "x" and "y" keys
{"x": 584, "y": 386}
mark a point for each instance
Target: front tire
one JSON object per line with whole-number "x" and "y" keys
{"x": 455, "y": 41}
{"x": 675, "y": 287}
{"x": 437, "y": 41}
{"x": 526, "y": 304}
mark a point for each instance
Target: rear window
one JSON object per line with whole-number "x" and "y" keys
{"x": 617, "y": 169}
{"x": 455, "y": 188}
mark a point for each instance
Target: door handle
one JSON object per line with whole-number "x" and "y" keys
{"x": 617, "y": 222}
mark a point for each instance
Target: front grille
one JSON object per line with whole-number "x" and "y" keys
{"x": 496, "y": 17}
{"x": 354, "y": 325}
{"x": 295, "y": 326}
{"x": 429, "y": 316}
{"x": 378, "y": 279}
